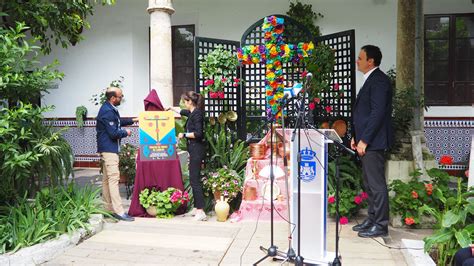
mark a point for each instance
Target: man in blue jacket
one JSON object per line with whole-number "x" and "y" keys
{"x": 373, "y": 135}
{"x": 109, "y": 134}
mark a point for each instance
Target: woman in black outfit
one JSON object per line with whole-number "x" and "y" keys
{"x": 197, "y": 150}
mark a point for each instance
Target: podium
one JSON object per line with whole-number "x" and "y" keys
{"x": 313, "y": 224}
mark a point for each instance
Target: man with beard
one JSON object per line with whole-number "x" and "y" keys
{"x": 109, "y": 134}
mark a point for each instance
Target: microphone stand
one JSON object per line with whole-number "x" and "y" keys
{"x": 299, "y": 120}
{"x": 272, "y": 250}
{"x": 339, "y": 147}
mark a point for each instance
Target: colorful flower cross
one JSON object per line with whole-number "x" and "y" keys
{"x": 273, "y": 54}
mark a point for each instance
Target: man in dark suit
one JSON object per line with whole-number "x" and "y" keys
{"x": 373, "y": 135}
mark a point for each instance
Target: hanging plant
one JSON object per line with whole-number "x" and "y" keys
{"x": 322, "y": 87}
{"x": 217, "y": 68}
{"x": 81, "y": 114}
{"x": 304, "y": 14}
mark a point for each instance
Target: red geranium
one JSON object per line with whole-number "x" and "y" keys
{"x": 331, "y": 199}
{"x": 208, "y": 82}
{"x": 311, "y": 106}
{"x": 357, "y": 200}
{"x": 409, "y": 221}
{"x": 364, "y": 195}
{"x": 414, "y": 194}
{"x": 343, "y": 220}
{"x": 446, "y": 160}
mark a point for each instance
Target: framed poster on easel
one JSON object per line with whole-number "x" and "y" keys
{"x": 157, "y": 135}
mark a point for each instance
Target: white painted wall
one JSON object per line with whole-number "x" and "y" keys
{"x": 117, "y": 43}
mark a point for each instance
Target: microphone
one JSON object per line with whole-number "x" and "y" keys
{"x": 292, "y": 92}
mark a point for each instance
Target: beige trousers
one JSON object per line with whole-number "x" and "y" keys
{"x": 110, "y": 182}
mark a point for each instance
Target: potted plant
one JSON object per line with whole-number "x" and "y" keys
{"x": 225, "y": 182}
{"x": 163, "y": 204}
{"x": 127, "y": 163}
{"x": 217, "y": 69}
{"x": 81, "y": 115}
{"x": 149, "y": 200}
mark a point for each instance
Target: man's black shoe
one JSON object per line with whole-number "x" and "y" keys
{"x": 124, "y": 217}
{"x": 374, "y": 231}
{"x": 363, "y": 226}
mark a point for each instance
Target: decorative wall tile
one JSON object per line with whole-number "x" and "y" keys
{"x": 83, "y": 140}
{"x": 450, "y": 137}
{"x": 443, "y": 137}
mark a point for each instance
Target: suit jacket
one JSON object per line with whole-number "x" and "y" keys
{"x": 372, "y": 115}
{"x": 108, "y": 127}
{"x": 195, "y": 124}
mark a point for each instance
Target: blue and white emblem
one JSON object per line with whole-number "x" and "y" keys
{"x": 308, "y": 165}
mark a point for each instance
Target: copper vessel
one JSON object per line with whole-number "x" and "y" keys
{"x": 340, "y": 126}
{"x": 257, "y": 151}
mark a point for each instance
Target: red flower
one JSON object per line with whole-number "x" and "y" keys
{"x": 331, "y": 199}
{"x": 212, "y": 95}
{"x": 220, "y": 94}
{"x": 236, "y": 80}
{"x": 357, "y": 200}
{"x": 328, "y": 109}
{"x": 336, "y": 87}
{"x": 343, "y": 220}
{"x": 304, "y": 74}
{"x": 409, "y": 221}
{"x": 311, "y": 106}
{"x": 364, "y": 195}
{"x": 208, "y": 82}
{"x": 446, "y": 160}
{"x": 317, "y": 100}
{"x": 429, "y": 189}
{"x": 414, "y": 194}
{"x": 223, "y": 79}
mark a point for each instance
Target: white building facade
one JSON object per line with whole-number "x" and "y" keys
{"x": 118, "y": 44}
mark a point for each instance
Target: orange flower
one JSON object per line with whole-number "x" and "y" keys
{"x": 414, "y": 194}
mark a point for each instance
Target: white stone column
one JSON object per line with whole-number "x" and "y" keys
{"x": 161, "y": 64}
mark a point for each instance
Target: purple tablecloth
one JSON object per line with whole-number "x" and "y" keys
{"x": 160, "y": 174}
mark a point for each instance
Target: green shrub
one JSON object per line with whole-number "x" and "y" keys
{"x": 32, "y": 154}
{"x": 51, "y": 213}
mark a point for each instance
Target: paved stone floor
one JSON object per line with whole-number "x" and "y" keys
{"x": 182, "y": 241}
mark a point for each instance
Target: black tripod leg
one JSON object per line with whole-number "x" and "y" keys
{"x": 262, "y": 259}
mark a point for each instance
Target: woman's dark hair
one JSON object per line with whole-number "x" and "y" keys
{"x": 195, "y": 98}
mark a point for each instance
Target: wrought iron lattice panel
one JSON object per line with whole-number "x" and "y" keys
{"x": 343, "y": 44}
{"x": 253, "y": 97}
{"x": 213, "y": 107}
